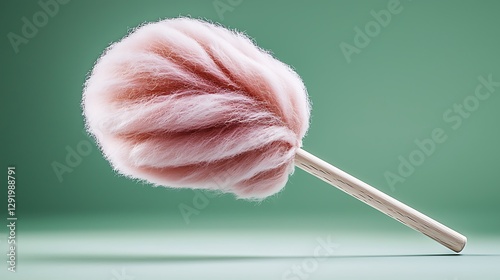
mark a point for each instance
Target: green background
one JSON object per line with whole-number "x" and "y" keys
{"x": 366, "y": 114}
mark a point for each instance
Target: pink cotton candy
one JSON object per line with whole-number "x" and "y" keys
{"x": 186, "y": 103}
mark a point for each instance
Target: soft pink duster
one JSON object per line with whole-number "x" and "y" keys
{"x": 186, "y": 103}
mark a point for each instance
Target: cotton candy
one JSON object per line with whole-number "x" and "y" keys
{"x": 184, "y": 103}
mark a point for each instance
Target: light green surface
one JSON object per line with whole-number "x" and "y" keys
{"x": 94, "y": 248}
{"x": 366, "y": 114}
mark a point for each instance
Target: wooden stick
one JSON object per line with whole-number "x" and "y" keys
{"x": 380, "y": 201}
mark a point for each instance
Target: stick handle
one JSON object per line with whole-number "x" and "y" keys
{"x": 380, "y": 201}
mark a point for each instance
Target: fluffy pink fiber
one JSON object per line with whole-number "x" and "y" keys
{"x": 186, "y": 103}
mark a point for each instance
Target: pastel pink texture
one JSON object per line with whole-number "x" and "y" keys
{"x": 186, "y": 103}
